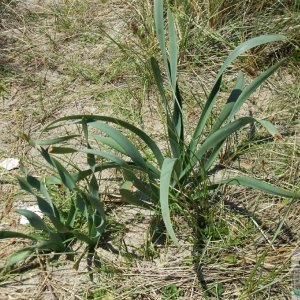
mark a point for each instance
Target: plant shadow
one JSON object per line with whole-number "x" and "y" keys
{"x": 204, "y": 234}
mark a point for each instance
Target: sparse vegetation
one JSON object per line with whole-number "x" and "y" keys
{"x": 233, "y": 242}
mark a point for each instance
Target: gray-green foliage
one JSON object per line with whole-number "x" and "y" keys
{"x": 58, "y": 232}
{"x": 163, "y": 178}
{"x": 168, "y": 173}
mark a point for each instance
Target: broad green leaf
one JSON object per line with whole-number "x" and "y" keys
{"x": 72, "y": 215}
{"x": 268, "y": 125}
{"x": 178, "y": 116}
{"x": 94, "y": 187}
{"x": 234, "y": 96}
{"x": 270, "y": 128}
{"x": 65, "y": 176}
{"x": 251, "y": 88}
{"x": 108, "y": 142}
{"x": 151, "y": 170}
{"x": 165, "y": 182}
{"x": 159, "y": 82}
{"x": 174, "y": 125}
{"x": 242, "y": 48}
{"x": 160, "y": 29}
{"x": 99, "y": 207}
{"x": 115, "y": 162}
{"x": 34, "y": 219}
{"x": 52, "y": 180}
{"x": 39, "y": 186}
{"x": 247, "y": 45}
{"x": 52, "y": 213}
{"x": 47, "y": 157}
{"x": 176, "y": 131}
{"x": 123, "y": 141}
{"x": 91, "y": 160}
{"x": 35, "y": 183}
{"x": 100, "y": 227}
{"x": 19, "y": 256}
{"x": 204, "y": 116}
{"x": 257, "y": 184}
{"x": 92, "y": 230}
{"x": 25, "y": 185}
{"x": 176, "y": 145}
{"x": 173, "y": 51}
{"x": 91, "y": 118}
{"x": 45, "y": 206}
{"x": 54, "y": 140}
{"x": 220, "y": 135}
{"x": 12, "y": 234}
{"x": 81, "y": 205}
{"x": 96, "y": 227}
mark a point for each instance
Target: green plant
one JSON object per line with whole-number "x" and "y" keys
{"x": 171, "y": 291}
{"x": 60, "y": 229}
{"x": 167, "y": 177}
{"x": 152, "y": 178}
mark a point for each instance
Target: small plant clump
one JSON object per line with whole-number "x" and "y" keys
{"x": 176, "y": 177}
{"x": 84, "y": 219}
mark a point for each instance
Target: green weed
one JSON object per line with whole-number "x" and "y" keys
{"x": 186, "y": 163}
{"x": 64, "y": 224}
{"x": 171, "y": 292}
{"x": 173, "y": 176}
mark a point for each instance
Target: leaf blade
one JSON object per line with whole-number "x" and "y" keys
{"x": 53, "y": 141}
{"x": 34, "y": 219}
{"x": 259, "y": 185}
{"x": 92, "y": 118}
{"x": 19, "y": 256}
{"x": 6, "y": 234}
{"x": 165, "y": 182}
